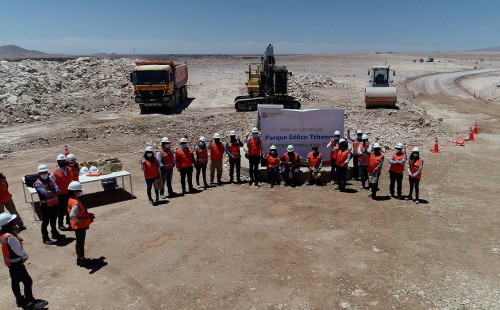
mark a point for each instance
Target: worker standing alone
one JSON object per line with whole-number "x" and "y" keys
{"x": 397, "y": 162}
{"x": 375, "y": 168}
{"x": 254, "y": 144}
{"x": 415, "y": 166}
{"x": 184, "y": 160}
{"x": 14, "y": 257}
{"x": 233, "y": 151}
{"x": 80, "y": 220}
{"x": 62, "y": 176}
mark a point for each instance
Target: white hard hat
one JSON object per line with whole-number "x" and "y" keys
{"x": 232, "y": 133}
{"x": 43, "y": 168}
{"x": 183, "y": 140}
{"x": 6, "y": 218}
{"x": 290, "y": 148}
{"x": 376, "y": 145}
{"x": 148, "y": 149}
{"x": 336, "y": 133}
{"x": 84, "y": 171}
{"x": 165, "y": 140}
{"x": 341, "y": 140}
{"x": 399, "y": 146}
{"x": 255, "y": 130}
{"x": 416, "y": 149}
{"x": 273, "y": 147}
{"x": 364, "y": 137}
{"x": 216, "y": 136}
{"x": 75, "y": 186}
{"x": 202, "y": 139}
{"x": 71, "y": 157}
{"x": 93, "y": 169}
{"x": 359, "y": 132}
{"x": 61, "y": 157}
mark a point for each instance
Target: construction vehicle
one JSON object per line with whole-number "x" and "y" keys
{"x": 380, "y": 94}
{"x": 267, "y": 84}
{"x": 159, "y": 84}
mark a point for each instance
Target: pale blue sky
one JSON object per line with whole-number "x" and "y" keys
{"x": 199, "y": 27}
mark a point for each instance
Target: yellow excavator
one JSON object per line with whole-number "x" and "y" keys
{"x": 267, "y": 84}
{"x": 380, "y": 94}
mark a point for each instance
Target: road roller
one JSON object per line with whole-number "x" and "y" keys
{"x": 380, "y": 94}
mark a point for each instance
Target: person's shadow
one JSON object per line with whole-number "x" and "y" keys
{"x": 95, "y": 264}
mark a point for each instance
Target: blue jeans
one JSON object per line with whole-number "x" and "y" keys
{"x": 149, "y": 187}
{"x": 284, "y": 173}
{"x": 414, "y": 183}
{"x": 166, "y": 175}
{"x": 203, "y": 169}
{"x": 273, "y": 173}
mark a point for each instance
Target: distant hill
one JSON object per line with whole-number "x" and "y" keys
{"x": 16, "y": 51}
{"x": 489, "y": 49}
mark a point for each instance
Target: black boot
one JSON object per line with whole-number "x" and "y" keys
{"x": 47, "y": 241}
{"x": 57, "y": 235}
{"x": 21, "y": 302}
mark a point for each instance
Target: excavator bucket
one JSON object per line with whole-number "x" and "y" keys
{"x": 380, "y": 97}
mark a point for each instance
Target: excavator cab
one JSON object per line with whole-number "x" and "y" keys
{"x": 280, "y": 81}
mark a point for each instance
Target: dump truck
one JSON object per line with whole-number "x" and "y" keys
{"x": 380, "y": 94}
{"x": 267, "y": 84}
{"x": 159, "y": 84}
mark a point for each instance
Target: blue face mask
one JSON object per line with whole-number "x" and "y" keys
{"x": 183, "y": 146}
{"x": 202, "y": 144}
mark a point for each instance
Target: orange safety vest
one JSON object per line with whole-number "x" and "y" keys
{"x": 234, "y": 149}
{"x": 50, "y": 200}
{"x": 83, "y": 215}
{"x": 5, "y": 196}
{"x": 342, "y": 157}
{"x": 167, "y": 159}
{"x": 151, "y": 171}
{"x": 75, "y": 173}
{"x": 333, "y": 151}
{"x": 355, "y": 146}
{"x": 374, "y": 162}
{"x": 202, "y": 155}
{"x": 397, "y": 168}
{"x": 184, "y": 159}
{"x": 294, "y": 161}
{"x": 364, "y": 159}
{"x": 216, "y": 151}
{"x": 63, "y": 178}
{"x": 314, "y": 161}
{"x": 414, "y": 165}
{"x": 272, "y": 161}
{"x": 9, "y": 256}
{"x": 254, "y": 147}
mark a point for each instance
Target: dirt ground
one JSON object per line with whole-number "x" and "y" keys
{"x": 241, "y": 247}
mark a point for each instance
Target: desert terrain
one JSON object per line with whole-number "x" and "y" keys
{"x": 241, "y": 247}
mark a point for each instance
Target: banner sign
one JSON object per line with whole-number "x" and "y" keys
{"x": 300, "y": 128}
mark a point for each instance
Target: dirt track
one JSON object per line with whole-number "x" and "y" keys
{"x": 236, "y": 247}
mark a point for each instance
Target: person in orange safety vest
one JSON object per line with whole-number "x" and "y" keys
{"x": 290, "y": 167}
{"x": 415, "y": 166}
{"x": 375, "y": 168}
{"x": 73, "y": 167}
{"x": 397, "y": 161}
{"x": 166, "y": 161}
{"x": 333, "y": 145}
{"x": 364, "y": 151}
{"x": 314, "y": 162}
{"x": 6, "y": 202}
{"x": 149, "y": 166}
{"x": 254, "y": 144}
{"x": 233, "y": 151}
{"x": 343, "y": 158}
{"x": 184, "y": 160}
{"x": 272, "y": 162}
{"x": 217, "y": 150}
{"x": 62, "y": 176}
{"x": 355, "y": 145}
{"x": 201, "y": 160}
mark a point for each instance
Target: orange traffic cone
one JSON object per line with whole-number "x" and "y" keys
{"x": 471, "y": 134}
{"x": 476, "y": 132}
{"x": 436, "y": 146}
{"x": 66, "y": 152}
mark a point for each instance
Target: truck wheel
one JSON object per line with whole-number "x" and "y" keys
{"x": 176, "y": 100}
{"x": 185, "y": 92}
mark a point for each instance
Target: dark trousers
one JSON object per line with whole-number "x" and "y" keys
{"x": 355, "y": 168}
{"x": 414, "y": 183}
{"x": 19, "y": 274}
{"x": 342, "y": 177}
{"x": 334, "y": 172}
{"x": 363, "y": 173}
{"x": 395, "y": 178}
{"x": 80, "y": 241}
{"x": 273, "y": 174}
{"x": 374, "y": 186}
{"x": 63, "y": 209}
{"x": 203, "y": 169}
{"x": 188, "y": 171}
{"x": 149, "y": 187}
{"x": 166, "y": 176}
{"x": 254, "y": 168}
{"x": 232, "y": 163}
{"x": 49, "y": 215}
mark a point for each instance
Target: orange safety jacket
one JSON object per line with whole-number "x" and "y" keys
{"x": 216, "y": 151}
{"x": 414, "y": 165}
{"x": 9, "y": 256}
{"x": 234, "y": 149}
{"x": 50, "y": 200}
{"x": 374, "y": 162}
{"x": 314, "y": 161}
{"x": 254, "y": 147}
{"x": 333, "y": 152}
{"x": 364, "y": 159}
{"x": 294, "y": 161}
{"x": 83, "y": 215}
{"x": 167, "y": 159}
{"x": 202, "y": 156}
{"x": 75, "y": 173}
{"x": 5, "y": 196}
{"x": 63, "y": 178}
{"x": 272, "y": 161}
{"x": 395, "y": 167}
{"x": 184, "y": 159}
{"x": 342, "y": 157}
{"x": 355, "y": 146}
{"x": 151, "y": 171}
